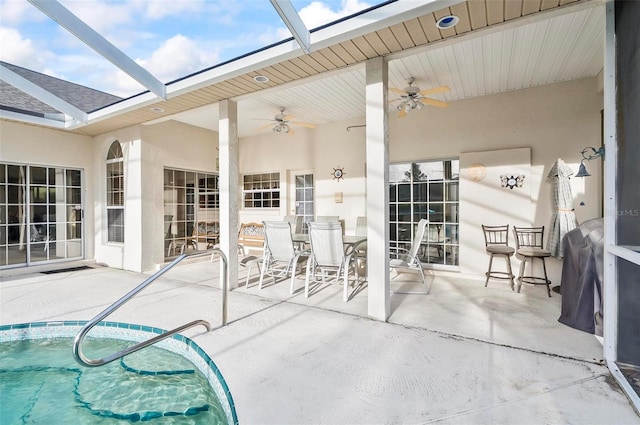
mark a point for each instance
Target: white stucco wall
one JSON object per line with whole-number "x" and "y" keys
{"x": 148, "y": 149}
{"x": 127, "y": 255}
{"x": 318, "y": 151}
{"x": 176, "y": 145}
{"x": 550, "y": 122}
{"x": 26, "y": 144}
{"x": 553, "y": 121}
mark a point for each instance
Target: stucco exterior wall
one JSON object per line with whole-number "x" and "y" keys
{"x": 176, "y": 145}
{"x": 148, "y": 149}
{"x": 118, "y": 255}
{"x": 548, "y": 122}
{"x": 553, "y": 121}
{"x": 26, "y": 144}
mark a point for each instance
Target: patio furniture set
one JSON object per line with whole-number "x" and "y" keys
{"x": 325, "y": 254}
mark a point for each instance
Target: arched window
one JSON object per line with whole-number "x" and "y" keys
{"x": 115, "y": 194}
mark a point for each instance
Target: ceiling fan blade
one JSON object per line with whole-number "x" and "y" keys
{"x": 434, "y": 102}
{"x": 263, "y": 127}
{"x": 287, "y": 118}
{"x": 402, "y": 113}
{"x": 303, "y": 124}
{"x": 435, "y": 90}
{"x": 398, "y": 91}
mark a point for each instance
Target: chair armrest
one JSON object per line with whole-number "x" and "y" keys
{"x": 397, "y": 251}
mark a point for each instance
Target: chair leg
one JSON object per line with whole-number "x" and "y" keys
{"x": 306, "y": 280}
{"x": 246, "y": 284}
{"x": 488, "y": 273}
{"x": 522, "y": 269}
{"x": 508, "y": 259}
{"x": 262, "y": 271}
{"x": 345, "y": 283}
{"x": 294, "y": 268}
{"x": 546, "y": 279}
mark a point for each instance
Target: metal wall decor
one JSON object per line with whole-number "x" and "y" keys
{"x": 512, "y": 181}
{"x": 338, "y": 173}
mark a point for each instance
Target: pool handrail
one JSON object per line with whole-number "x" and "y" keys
{"x": 79, "y": 356}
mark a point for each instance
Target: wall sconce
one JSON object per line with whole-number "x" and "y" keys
{"x": 588, "y": 154}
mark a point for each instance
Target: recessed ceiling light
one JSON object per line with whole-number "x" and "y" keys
{"x": 261, "y": 79}
{"x": 156, "y": 109}
{"x": 448, "y": 21}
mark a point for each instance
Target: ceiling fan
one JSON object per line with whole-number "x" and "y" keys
{"x": 412, "y": 97}
{"x": 282, "y": 123}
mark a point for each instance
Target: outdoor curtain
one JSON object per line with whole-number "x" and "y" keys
{"x": 563, "y": 219}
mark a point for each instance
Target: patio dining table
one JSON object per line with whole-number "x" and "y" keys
{"x": 349, "y": 241}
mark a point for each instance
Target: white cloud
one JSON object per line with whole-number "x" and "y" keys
{"x": 161, "y": 9}
{"x": 103, "y": 17}
{"x": 15, "y": 12}
{"x": 175, "y": 58}
{"x": 313, "y": 15}
{"x": 319, "y": 13}
{"x": 21, "y": 51}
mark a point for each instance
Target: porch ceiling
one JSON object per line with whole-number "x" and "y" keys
{"x": 498, "y": 45}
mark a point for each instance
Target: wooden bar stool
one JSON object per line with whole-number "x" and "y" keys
{"x": 528, "y": 248}
{"x": 496, "y": 242}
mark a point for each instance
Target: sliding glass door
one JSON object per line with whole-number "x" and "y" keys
{"x": 426, "y": 190}
{"x": 41, "y": 214}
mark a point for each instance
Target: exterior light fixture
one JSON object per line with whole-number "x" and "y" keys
{"x": 261, "y": 79}
{"x": 588, "y": 154}
{"x": 448, "y": 21}
{"x": 281, "y": 128}
{"x": 156, "y": 109}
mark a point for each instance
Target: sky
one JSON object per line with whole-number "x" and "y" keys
{"x": 170, "y": 38}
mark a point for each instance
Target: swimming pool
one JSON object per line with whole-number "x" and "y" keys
{"x": 172, "y": 382}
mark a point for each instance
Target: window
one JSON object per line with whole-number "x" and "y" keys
{"x": 208, "y": 191}
{"x": 40, "y": 214}
{"x": 191, "y": 201}
{"x": 428, "y": 190}
{"x": 261, "y": 190}
{"x": 115, "y": 194}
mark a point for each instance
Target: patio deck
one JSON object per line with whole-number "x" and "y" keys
{"x": 463, "y": 354}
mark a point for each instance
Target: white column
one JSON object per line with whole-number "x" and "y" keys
{"x": 377, "y": 146}
{"x": 229, "y": 199}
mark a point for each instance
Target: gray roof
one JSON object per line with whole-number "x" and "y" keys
{"x": 83, "y": 98}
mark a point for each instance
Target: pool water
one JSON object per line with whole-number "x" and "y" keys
{"x": 40, "y": 383}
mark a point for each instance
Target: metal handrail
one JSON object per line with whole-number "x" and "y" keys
{"x": 79, "y": 356}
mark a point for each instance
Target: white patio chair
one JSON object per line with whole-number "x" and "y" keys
{"x": 404, "y": 261}
{"x": 280, "y": 256}
{"x": 327, "y": 258}
{"x": 327, "y": 219}
{"x": 361, "y": 250}
{"x": 295, "y": 221}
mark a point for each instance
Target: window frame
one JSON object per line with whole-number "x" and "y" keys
{"x": 261, "y": 191}
{"x": 409, "y": 207}
{"x": 115, "y": 194}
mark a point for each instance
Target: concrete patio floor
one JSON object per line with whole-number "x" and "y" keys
{"x": 464, "y": 354}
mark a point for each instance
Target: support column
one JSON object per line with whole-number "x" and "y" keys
{"x": 228, "y": 185}
{"x": 377, "y": 147}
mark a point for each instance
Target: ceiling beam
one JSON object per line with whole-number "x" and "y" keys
{"x": 292, "y": 20}
{"x": 41, "y": 94}
{"x": 97, "y": 42}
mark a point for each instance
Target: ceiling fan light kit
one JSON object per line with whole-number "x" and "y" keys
{"x": 282, "y": 123}
{"x": 281, "y": 128}
{"x": 412, "y": 97}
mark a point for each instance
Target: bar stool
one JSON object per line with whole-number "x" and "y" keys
{"x": 496, "y": 242}
{"x": 528, "y": 248}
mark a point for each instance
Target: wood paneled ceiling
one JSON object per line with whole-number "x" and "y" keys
{"x": 498, "y": 45}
